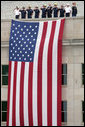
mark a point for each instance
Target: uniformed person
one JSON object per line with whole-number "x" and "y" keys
{"x": 17, "y": 13}
{"x": 49, "y": 11}
{"x": 55, "y": 10}
{"x": 74, "y": 9}
{"x": 23, "y": 13}
{"x": 62, "y": 11}
{"x": 44, "y": 11}
{"x": 37, "y": 12}
{"x": 68, "y": 10}
{"x": 29, "y": 12}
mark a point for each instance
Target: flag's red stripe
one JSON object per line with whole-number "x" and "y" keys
{"x": 39, "y": 94}
{"x": 59, "y": 83}
{"x": 30, "y": 85}
{"x": 14, "y": 96}
{"x": 49, "y": 76}
{"x": 9, "y": 86}
{"x": 22, "y": 94}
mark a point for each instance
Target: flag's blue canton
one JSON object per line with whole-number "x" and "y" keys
{"x": 23, "y": 39}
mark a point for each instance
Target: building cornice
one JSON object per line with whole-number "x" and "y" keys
{"x": 43, "y": 19}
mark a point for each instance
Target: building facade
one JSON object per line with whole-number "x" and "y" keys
{"x": 72, "y": 70}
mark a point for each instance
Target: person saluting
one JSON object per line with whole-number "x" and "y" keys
{"x": 44, "y": 11}
{"x": 37, "y": 12}
{"x": 23, "y": 13}
{"x": 55, "y": 10}
{"x": 17, "y": 12}
{"x": 29, "y": 12}
{"x": 49, "y": 11}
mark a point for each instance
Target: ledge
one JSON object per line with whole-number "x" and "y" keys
{"x": 43, "y": 19}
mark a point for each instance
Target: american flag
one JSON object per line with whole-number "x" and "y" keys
{"x": 34, "y": 85}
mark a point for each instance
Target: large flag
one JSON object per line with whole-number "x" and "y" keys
{"x": 34, "y": 86}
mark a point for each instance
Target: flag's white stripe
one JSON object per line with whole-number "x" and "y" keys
{"x": 18, "y": 94}
{"x": 26, "y": 75}
{"x": 35, "y": 64}
{"x": 11, "y": 94}
{"x": 54, "y": 75}
{"x": 44, "y": 75}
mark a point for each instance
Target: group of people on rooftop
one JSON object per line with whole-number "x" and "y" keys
{"x": 63, "y": 11}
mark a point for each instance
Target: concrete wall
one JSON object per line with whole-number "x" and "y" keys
{"x": 72, "y": 54}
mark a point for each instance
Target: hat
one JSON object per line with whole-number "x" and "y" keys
{"x": 55, "y": 4}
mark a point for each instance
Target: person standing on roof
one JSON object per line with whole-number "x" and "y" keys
{"x": 44, "y": 11}
{"x": 55, "y": 10}
{"x": 37, "y": 12}
{"x": 74, "y": 9}
{"x": 49, "y": 11}
{"x": 68, "y": 10}
{"x": 23, "y": 13}
{"x": 29, "y": 12}
{"x": 62, "y": 11}
{"x": 17, "y": 13}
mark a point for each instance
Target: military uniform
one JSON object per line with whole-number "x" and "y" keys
{"x": 62, "y": 12}
{"x": 37, "y": 11}
{"x": 29, "y": 13}
{"x": 55, "y": 10}
{"x": 49, "y": 11}
{"x": 74, "y": 11}
{"x": 44, "y": 12}
{"x": 23, "y": 14}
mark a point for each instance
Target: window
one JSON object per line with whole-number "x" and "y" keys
{"x": 82, "y": 111}
{"x": 64, "y": 74}
{"x": 83, "y": 74}
{"x": 4, "y": 74}
{"x": 4, "y": 111}
{"x": 64, "y": 111}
